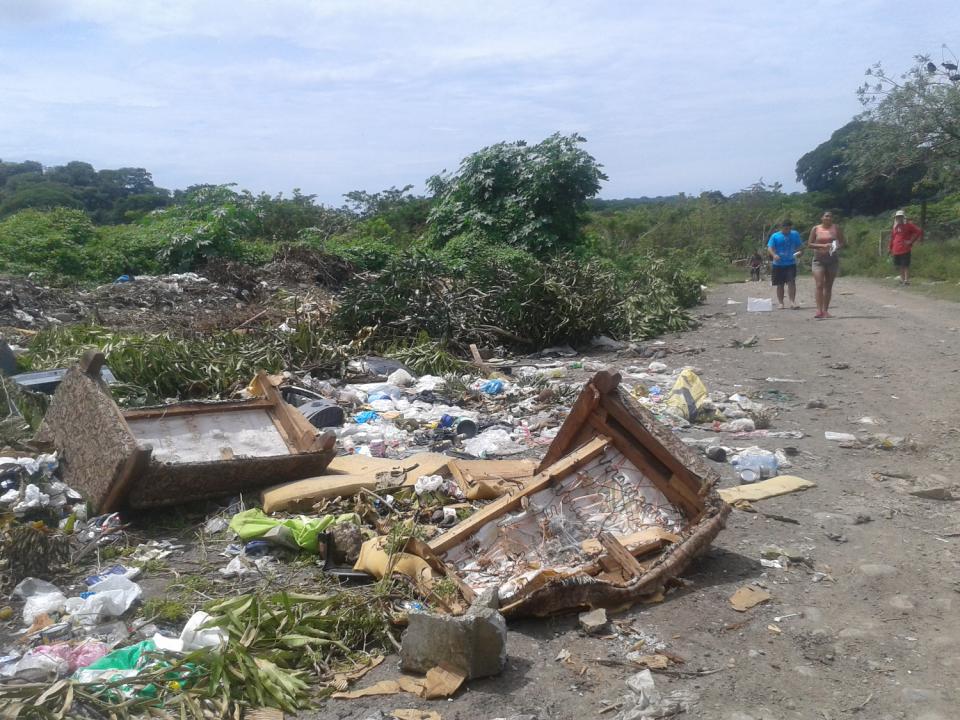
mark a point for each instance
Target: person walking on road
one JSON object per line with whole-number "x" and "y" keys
{"x": 902, "y": 238}
{"x": 756, "y": 266}
{"x": 825, "y": 240}
{"x": 785, "y": 246}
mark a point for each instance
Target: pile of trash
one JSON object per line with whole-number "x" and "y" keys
{"x": 450, "y": 504}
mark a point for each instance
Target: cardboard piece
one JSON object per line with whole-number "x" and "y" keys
{"x": 403, "y": 684}
{"x": 747, "y": 597}
{"x": 442, "y": 682}
{"x": 348, "y": 475}
{"x": 779, "y": 485}
{"x": 414, "y": 714}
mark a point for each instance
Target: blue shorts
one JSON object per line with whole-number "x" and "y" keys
{"x": 782, "y": 274}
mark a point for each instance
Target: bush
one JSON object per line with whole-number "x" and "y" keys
{"x": 47, "y": 242}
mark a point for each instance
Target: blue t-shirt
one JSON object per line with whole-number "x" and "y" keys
{"x": 785, "y": 246}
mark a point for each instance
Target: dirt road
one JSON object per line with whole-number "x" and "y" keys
{"x": 873, "y": 626}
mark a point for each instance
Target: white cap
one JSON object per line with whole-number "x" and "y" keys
{"x": 898, "y": 213}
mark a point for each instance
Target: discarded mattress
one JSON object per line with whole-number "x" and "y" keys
{"x": 618, "y": 507}
{"x": 176, "y": 453}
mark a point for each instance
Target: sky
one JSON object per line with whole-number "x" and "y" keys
{"x": 331, "y": 96}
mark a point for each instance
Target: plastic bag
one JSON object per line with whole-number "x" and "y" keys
{"x": 493, "y": 441}
{"x": 401, "y": 378}
{"x": 110, "y": 598}
{"x": 193, "y": 636}
{"x": 687, "y": 395}
{"x": 492, "y": 387}
{"x": 427, "y": 483}
{"x": 253, "y": 523}
{"x": 43, "y": 603}
{"x": 33, "y": 586}
{"x": 75, "y": 656}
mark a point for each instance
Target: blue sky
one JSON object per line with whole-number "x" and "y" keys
{"x": 333, "y": 96}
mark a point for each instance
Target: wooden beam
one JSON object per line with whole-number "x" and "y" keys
{"x": 196, "y": 409}
{"x": 506, "y": 503}
{"x": 618, "y": 553}
{"x": 634, "y": 427}
{"x": 576, "y": 419}
{"x": 136, "y": 465}
{"x": 650, "y": 466}
{"x": 298, "y": 430}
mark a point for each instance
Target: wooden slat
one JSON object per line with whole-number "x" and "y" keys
{"x": 636, "y": 428}
{"x": 649, "y": 465}
{"x": 191, "y": 409}
{"x": 505, "y": 504}
{"x": 135, "y": 466}
{"x": 635, "y": 543}
{"x": 579, "y": 414}
{"x": 301, "y": 434}
{"x": 618, "y": 553}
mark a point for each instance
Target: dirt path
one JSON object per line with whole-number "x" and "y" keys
{"x": 878, "y": 636}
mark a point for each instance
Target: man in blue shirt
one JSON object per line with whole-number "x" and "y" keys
{"x": 785, "y": 247}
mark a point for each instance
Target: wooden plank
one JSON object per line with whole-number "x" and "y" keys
{"x": 634, "y": 542}
{"x": 506, "y": 503}
{"x": 193, "y": 409}
{"x": 302, "y": 435}
{"x": 579, "y": 414}
{"x": 618, "y": 553}
{"x": 636, "y": 428}
{"x": 135, "y": 466}
{"x": 477, "y": 360}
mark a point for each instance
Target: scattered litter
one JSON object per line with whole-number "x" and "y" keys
{"x": 780, "y": 485}
{"x": 839, "y": 436}
{"x": 747, "y": 597}
{"x": 759, "y": 304}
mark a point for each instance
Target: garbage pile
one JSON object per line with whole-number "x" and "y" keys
{"x": 458, "y": 501}
{"x": 164, "y": 302}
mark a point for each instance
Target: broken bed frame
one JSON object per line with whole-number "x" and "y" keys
{"x": 657, "y": 477}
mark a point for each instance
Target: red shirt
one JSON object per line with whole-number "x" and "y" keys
{"x": 903, "y": 236}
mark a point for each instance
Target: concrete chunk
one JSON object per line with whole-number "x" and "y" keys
{"x": 474, "y": 643}
{"x": 593, "y": 621}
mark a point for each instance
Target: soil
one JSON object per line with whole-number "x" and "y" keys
{"x": 873, "y": 626}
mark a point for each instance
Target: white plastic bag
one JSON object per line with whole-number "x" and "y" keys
{"x": 44, "y": 602}
{"x": 192, "y": 637}
{"x": 111, "y": 598}
{"x": 427, "y": 483}
{"x": 759, "y": 304}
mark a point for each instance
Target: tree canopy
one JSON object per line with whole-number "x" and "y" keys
{"x": 916, "y": 122}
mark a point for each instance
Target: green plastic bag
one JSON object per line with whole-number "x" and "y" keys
{"x": 251, "y": 524}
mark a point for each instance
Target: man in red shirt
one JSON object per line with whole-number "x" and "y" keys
{"x": 902, "y": 238}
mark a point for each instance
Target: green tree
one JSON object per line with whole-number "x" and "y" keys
{"x": 528, "y": 196}
{"x": 917, "y": 123}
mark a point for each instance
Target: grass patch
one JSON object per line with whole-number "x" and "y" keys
{"x": 165, "y": 609}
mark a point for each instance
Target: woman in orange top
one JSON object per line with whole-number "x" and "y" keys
{"x": 825, "y": 240}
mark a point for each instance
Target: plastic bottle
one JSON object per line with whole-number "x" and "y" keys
{"x": 754, "y": 464}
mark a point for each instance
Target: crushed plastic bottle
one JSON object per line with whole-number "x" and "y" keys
{"x": 755, "y": 464}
